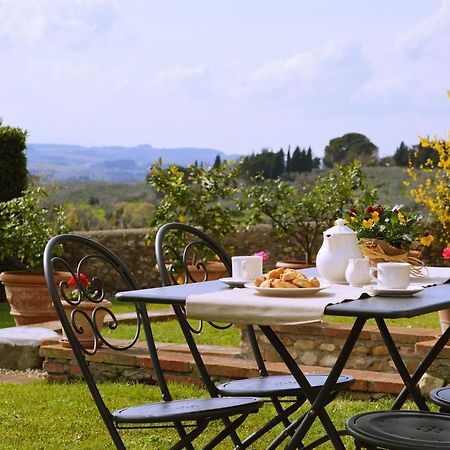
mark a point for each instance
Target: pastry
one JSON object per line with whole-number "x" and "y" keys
{"x": 286, "y": 279}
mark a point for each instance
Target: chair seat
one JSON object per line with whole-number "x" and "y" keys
{"x": 278, "y": 385}
{"x": 441, "y": 397}
{"x": 407, "y": 430}
{"x": 195, "y": 409}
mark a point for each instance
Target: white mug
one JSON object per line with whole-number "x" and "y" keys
{"x": 246, "y": 267}
{"x": 392, "y": 275}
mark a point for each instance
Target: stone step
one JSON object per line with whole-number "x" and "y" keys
{"x": 19, "y": 346}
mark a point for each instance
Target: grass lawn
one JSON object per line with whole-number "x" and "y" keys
{"x": 50, "y": 416}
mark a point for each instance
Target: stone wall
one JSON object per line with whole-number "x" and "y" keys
{"x": 131, "y": 247}
{"x": 319, "y": 344}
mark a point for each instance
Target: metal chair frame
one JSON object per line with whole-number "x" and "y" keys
{"x": 189, "y": 417}
{"x": 277, "y": 389}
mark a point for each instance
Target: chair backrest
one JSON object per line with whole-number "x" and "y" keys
{"x": 93, "y": 274}
{"x": 181, "y": 248}
{"x": 182, "y": 251}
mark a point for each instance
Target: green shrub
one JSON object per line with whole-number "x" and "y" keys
{"x": 13, "y": 162}
{"x": 201, "y": 197}
{"x": 301, "y": 215}
{"x": 26, "y": 227}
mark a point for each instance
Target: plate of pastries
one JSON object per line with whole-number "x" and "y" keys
{"x": 287, "y": 283}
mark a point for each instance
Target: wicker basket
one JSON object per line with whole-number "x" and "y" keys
{"x": 381, "y": 251}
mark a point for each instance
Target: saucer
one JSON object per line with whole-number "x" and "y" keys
{"x": 390, "y": 292}
{"x": 234, "y": 282}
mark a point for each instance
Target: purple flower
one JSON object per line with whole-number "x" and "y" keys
{"x": 263, "y": 255}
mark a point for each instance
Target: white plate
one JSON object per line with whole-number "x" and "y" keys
{"x": 386, "y": 292}
{"x": 233, "y": 282}
{"x": 286, "y": 292}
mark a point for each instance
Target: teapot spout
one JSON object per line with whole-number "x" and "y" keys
{"x": 329, "y": 243}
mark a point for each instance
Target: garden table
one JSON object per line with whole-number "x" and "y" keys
{"x": 431, "y": 299}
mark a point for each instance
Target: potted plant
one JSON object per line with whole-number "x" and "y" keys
{"x": 26, "y": 227}
{"x": 388, "y": 234}
{"x": 201, "y": 197}
{"x": 301, "y": 216}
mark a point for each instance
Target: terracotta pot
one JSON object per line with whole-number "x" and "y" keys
{"x": 215, "y": 270}
{"x": 294, "y": 264}
{"x": 28, "y": 296}
{"x": 86, "y": 338}
{"x": 444, "y": 318}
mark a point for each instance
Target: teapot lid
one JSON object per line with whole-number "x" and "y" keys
{"x": 339, "y": 228}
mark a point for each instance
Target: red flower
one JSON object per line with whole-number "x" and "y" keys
{"x": 83, "y": 280}
{"x": 352, "y": 212}
{"x": 446, "y": 253}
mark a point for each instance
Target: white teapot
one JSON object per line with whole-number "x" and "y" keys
{"x": 339, "y": 245}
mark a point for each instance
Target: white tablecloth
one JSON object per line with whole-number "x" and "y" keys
{"x": 247, "y": 306}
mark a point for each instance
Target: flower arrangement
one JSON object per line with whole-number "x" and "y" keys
{"x": 386, "y": 234}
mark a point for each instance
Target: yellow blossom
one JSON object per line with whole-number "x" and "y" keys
{"x": 182, "y": 218}
{"x": 367, "y": 223}
{"x": 375, "y": 217}
{"x": 426, "y": 240}
{"x": 401, "y": 217}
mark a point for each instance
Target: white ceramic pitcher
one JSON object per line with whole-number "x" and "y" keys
{"x": 358, "y": 272}
{"x": 339, "y": 245}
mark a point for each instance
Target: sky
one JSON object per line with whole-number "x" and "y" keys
{"x": 231, "y": 75}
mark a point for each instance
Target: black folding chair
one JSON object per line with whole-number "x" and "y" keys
{"x": 93, "y": 269}
{"x": 400, "y": 430}
{"x": 179, "y": 247}
{"x": 441, "y": 397}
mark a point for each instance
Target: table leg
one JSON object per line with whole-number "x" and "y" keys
{"x": 410, "y": 385}
{"x": 422, "y": 368}
{"x": 318, "y": 401}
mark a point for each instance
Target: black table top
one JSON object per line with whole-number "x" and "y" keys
{"x": 429, "y": 300}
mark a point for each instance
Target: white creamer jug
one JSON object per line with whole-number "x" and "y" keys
{"x": 339, "y": 245}
{"x": 357, "y": 272}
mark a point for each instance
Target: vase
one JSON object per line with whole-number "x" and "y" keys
{"x": 86, "y": 338}
{"x": 28, "y": 296}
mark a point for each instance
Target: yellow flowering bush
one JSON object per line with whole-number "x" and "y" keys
{"x": 429, "y": 184}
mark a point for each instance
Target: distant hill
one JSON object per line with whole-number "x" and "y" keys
{"x": 120, "y": 164}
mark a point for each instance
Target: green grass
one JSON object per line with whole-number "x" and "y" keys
{"x": 430, "y": 320}
{"x": 50, "y": 416}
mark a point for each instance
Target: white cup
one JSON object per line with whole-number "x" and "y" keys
{"x": 246, "y": 267}
{"x": 391, "y": 275}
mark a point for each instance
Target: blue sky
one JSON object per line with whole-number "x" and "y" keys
{"x": 233, "y": 75}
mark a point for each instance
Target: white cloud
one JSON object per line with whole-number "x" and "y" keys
{"x": 179, "y": 77}
{"x": 33, "y": 21}
{"x": 330, "y": 72}
{"x": 413, "y": 74}
{"x": 431, "y": 37}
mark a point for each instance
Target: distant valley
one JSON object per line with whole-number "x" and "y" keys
{"x": 112, "y": 164}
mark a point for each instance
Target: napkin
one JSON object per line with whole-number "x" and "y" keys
{"x": 247, "y": 306}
